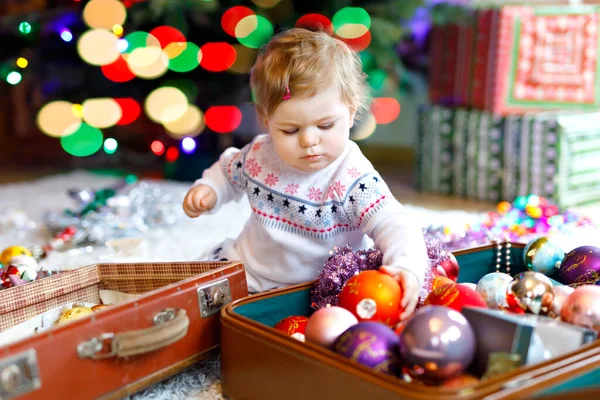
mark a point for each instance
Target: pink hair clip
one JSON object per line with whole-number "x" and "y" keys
{"x": 287, "y": 94}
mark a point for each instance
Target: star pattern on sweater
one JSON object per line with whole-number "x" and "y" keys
{"x": 239, "y": 165}
{"x": 256, "y": 190}
{"x": 270, "y": 197}
{"x": 362, "y": 187}
{"x": 302, "y": 208}
{"x": 286, "y": 203}
{"x": 318, "y": 213}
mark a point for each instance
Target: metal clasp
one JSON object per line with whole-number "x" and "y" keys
{"x": 19, "y": 374}
{"x": 100, "y": 347}
{"x": 165, "y": 315}
{"x": 213, "y": 296}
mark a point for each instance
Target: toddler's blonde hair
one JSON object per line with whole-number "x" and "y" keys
{"x": 307, "y": 62}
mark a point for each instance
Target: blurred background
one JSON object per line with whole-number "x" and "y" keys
{"x": 160, "y": 87}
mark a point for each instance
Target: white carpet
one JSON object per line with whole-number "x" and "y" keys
{"x": 186, "y": 240}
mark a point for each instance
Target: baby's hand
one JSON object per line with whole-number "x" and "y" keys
{"x": 199, "y": 199}
{"x": 410, "y": 288}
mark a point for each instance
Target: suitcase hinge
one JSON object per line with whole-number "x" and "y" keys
{"x": 19, "y": 374}
{"x": 213, "y": 296}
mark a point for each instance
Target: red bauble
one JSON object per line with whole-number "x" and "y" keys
{"x": 5, "y": 275}
{"x": 448, "y": 268}
{"x": 294, "y": 326}
{"x": 373, "y": 296}
{"x": 455, "y": 296}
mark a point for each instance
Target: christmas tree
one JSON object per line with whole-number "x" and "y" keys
{"x": 204, "y": 49}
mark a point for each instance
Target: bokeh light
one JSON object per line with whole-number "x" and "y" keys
{"x": 110, "y": 146}
{"x": 57, "y": 119}
{"x": 25, "y": 27}
{"x": 157, "y": 147}
{"x": 22, "y": 62}
{"x": 77, "y": 110}
{"x": 385, "y": 109}
{"x": 360, "y": 43}
{"x": 244, "y": 59}
{"x": 140, "y": 40}
{"x": 365, "y": 128}
{"x": 122, "y": 45}
{"x": 13, "y": 77}
{"x": 101, "y": 112}
{"x": 172, "y": 154}
{"x": 118, "y": 71}
{"x": 352, "y": 16}
{"x": 117, "y": 30}
{"x": 187, "y": 60}
{"x": 167, "y": 35}
{"x": 217, "y": 57}
{"x": 130, "y": 110}
{"x": 166, "y": 104}
{"x": 253, "y": 31}
{"x": 223, "y": 119}
{"x": 266, "y": 3}
{"x": 173, "y": 50}
{"x": 98, "y": 47}
{"x": 66, "y": 35}
{"x": 232, "y": 17}
{"x": 83, "y": 142}
{"x": 148, "y": 62}
{"x": 190, "y": 124}
{"x": 188, "y": 145}
{"x": 104, "y": 14}
{"x": 315, "y": 22}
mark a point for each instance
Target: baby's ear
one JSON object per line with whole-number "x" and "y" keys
{"x": 352, "y": 115}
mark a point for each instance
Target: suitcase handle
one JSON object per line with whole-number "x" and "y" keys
{"x": 170, "y": 325}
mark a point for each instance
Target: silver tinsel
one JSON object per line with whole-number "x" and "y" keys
{"x": 134, "y": 209}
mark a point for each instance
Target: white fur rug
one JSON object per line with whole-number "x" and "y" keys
{"x": 186, "y": 240}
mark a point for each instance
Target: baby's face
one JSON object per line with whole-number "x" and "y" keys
{"x": 310, "y": 134}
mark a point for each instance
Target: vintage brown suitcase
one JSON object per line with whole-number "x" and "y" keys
{"x": 258, "y": 362}
{"x": 123, "y": 348}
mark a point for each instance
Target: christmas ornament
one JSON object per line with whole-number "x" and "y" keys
{"x": 492, "y": 289}
{"x": 293, "y": 326}
{"x": 582, "y": 307}
{"x": 373, "y": 296}
{"x": 324, "y": 326}
{"x": 561, "y": 292}
{"x": 8, "y": 275}
{"x": 27, "y": 266}
{"x": 469, "y": 285}
{"x": 437, "y": 343}
{"x": 543, "y": 255}
{"x": 440, "y": 281}
{"x": 448, "y": 268}
{"x": 344, "y": 263}
{"x": 12, "y": 251}
{"x": 580, "y": 266}
{"x": 100, "y": 307}
{"x": 372, "y": 344}
{"x": 455, "y": 296}
{"x": 74, "y": 313}
{"x": 530, "y": 292}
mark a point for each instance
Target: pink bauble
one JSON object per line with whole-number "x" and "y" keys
{"x": 327, "y": 324}
{"x": 561, "y": 292}
{"x": 448, "y": 268}
{"x": 582, "y": 307}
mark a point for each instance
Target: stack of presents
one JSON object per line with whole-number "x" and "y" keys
{"x": 514, "y": 103}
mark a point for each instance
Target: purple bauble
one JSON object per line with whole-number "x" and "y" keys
{"x": 580, "y": 266}
{"x": 373, "y": 344}
{"x": 437, "y": 343}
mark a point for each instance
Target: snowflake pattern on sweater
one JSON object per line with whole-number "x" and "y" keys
{"x": 342, "y": 197}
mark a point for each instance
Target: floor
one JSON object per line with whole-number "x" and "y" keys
{"x": 398, "y": 179}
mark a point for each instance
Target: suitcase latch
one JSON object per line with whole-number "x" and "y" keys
{"x": 19, "y": 374}
{"x": 213, "y": 296}
{"x": 100, "y": 347}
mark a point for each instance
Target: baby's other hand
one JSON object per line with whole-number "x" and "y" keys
{"x": 410, "y": 288}
{"x": 199, "y": 199}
